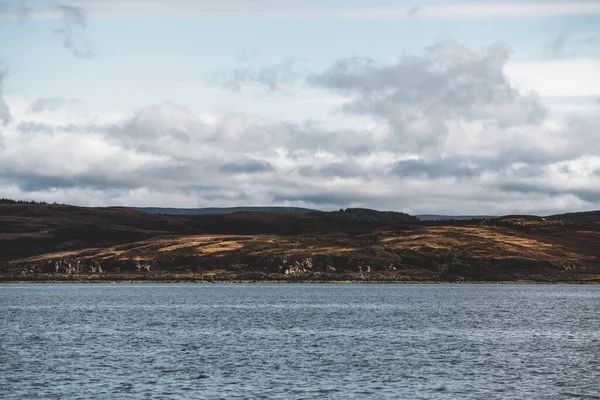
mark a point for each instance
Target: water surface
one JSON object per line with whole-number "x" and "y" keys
{"x": 299, "y": 341}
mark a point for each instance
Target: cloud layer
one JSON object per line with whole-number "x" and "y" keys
{"x": 447, "y": 133}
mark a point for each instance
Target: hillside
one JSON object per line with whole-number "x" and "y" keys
{"x": 585, "y": 216}
{"x": 56, "y": 242}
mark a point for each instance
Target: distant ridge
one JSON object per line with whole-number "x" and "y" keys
{"x": 222, "y": 210}
{"x": 432, "y": 217}
{"x": 587, "y": 216}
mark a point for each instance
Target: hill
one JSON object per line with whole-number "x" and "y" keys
{"x": 222, "y": 210}
{"x": 40, "y": 242}
{"x": 587, "y": 216}
{"x": 433, "y": 217}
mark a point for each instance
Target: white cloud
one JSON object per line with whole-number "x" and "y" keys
{"x": 567, "y": 77}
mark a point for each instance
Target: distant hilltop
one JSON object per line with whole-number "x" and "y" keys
{"x": 349, "y": 213}
{"x": 222, "y": 210}
{"x": 432, "y": 217}
{"x": 362, "y": 214}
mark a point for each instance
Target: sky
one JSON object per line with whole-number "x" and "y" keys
{"x": 424, "y": 106}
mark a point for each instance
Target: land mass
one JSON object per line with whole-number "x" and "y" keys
{"x": 43, "y": 242}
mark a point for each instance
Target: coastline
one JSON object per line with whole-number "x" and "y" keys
{"x": 295, "y": 281}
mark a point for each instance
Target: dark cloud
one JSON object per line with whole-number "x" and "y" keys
{"x": 510, "y": 162}
{"x": 440, "y": 168}
{"x": 420, "y": 95}
{"x": 74, "y": 22}
{"x": 586, "y": 195}
{"x": 29, "y": 181}
{"x": 322, "y": 199}
{"x": 246, "y": 167}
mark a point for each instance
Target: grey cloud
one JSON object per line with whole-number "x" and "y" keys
{"x": 171, "y": 129}
{"x": 587, "y": 195}
{"x": 530, "y": 164}
{"x": 192, "y": 158}
{"x": 31, "y": 127}
{"x": 420, "y": 95}
{"x": 33, "y": 182}
{"x": 348, "y": 169}
{"x": 74, "y": 22}
{"x": 246, "y": 167}
{"x": 440, "y": 168}
{"x": 333, "y": 200}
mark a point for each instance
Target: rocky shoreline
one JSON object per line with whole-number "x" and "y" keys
{"x": 261, "y": 278}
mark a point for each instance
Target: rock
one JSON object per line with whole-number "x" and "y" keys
{"x": 296, "y": 267}
{"x": 143, "y": 267}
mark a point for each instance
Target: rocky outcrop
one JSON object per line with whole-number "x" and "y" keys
{"x": 65, "y": 266}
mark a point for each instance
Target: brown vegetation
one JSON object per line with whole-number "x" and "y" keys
{"x": 57, "y": 242}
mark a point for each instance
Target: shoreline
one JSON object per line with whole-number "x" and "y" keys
{"x": 294, "y": 282}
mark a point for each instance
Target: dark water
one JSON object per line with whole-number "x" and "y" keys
{"x": 300, "y": 341}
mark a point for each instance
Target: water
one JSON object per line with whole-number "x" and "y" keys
{"x": 300, "y": 341}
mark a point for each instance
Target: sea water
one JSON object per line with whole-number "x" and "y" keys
{"x": 299, "y": 341}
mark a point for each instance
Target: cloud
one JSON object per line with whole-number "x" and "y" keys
{"x": 445, "y": 132}
{"x": 246, "y": 167}
{"x": 5, "y": 115}
{"x": 587, "y": 195}
{"x": 419, "y": 95}
{"x": 455, "y": 168}
{"x": 74, "y": 22}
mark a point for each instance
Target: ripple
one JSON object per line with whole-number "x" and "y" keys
{"x": 299, "y": 341}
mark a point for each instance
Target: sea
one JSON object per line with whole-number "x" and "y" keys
{"x": 299, "y": 341}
